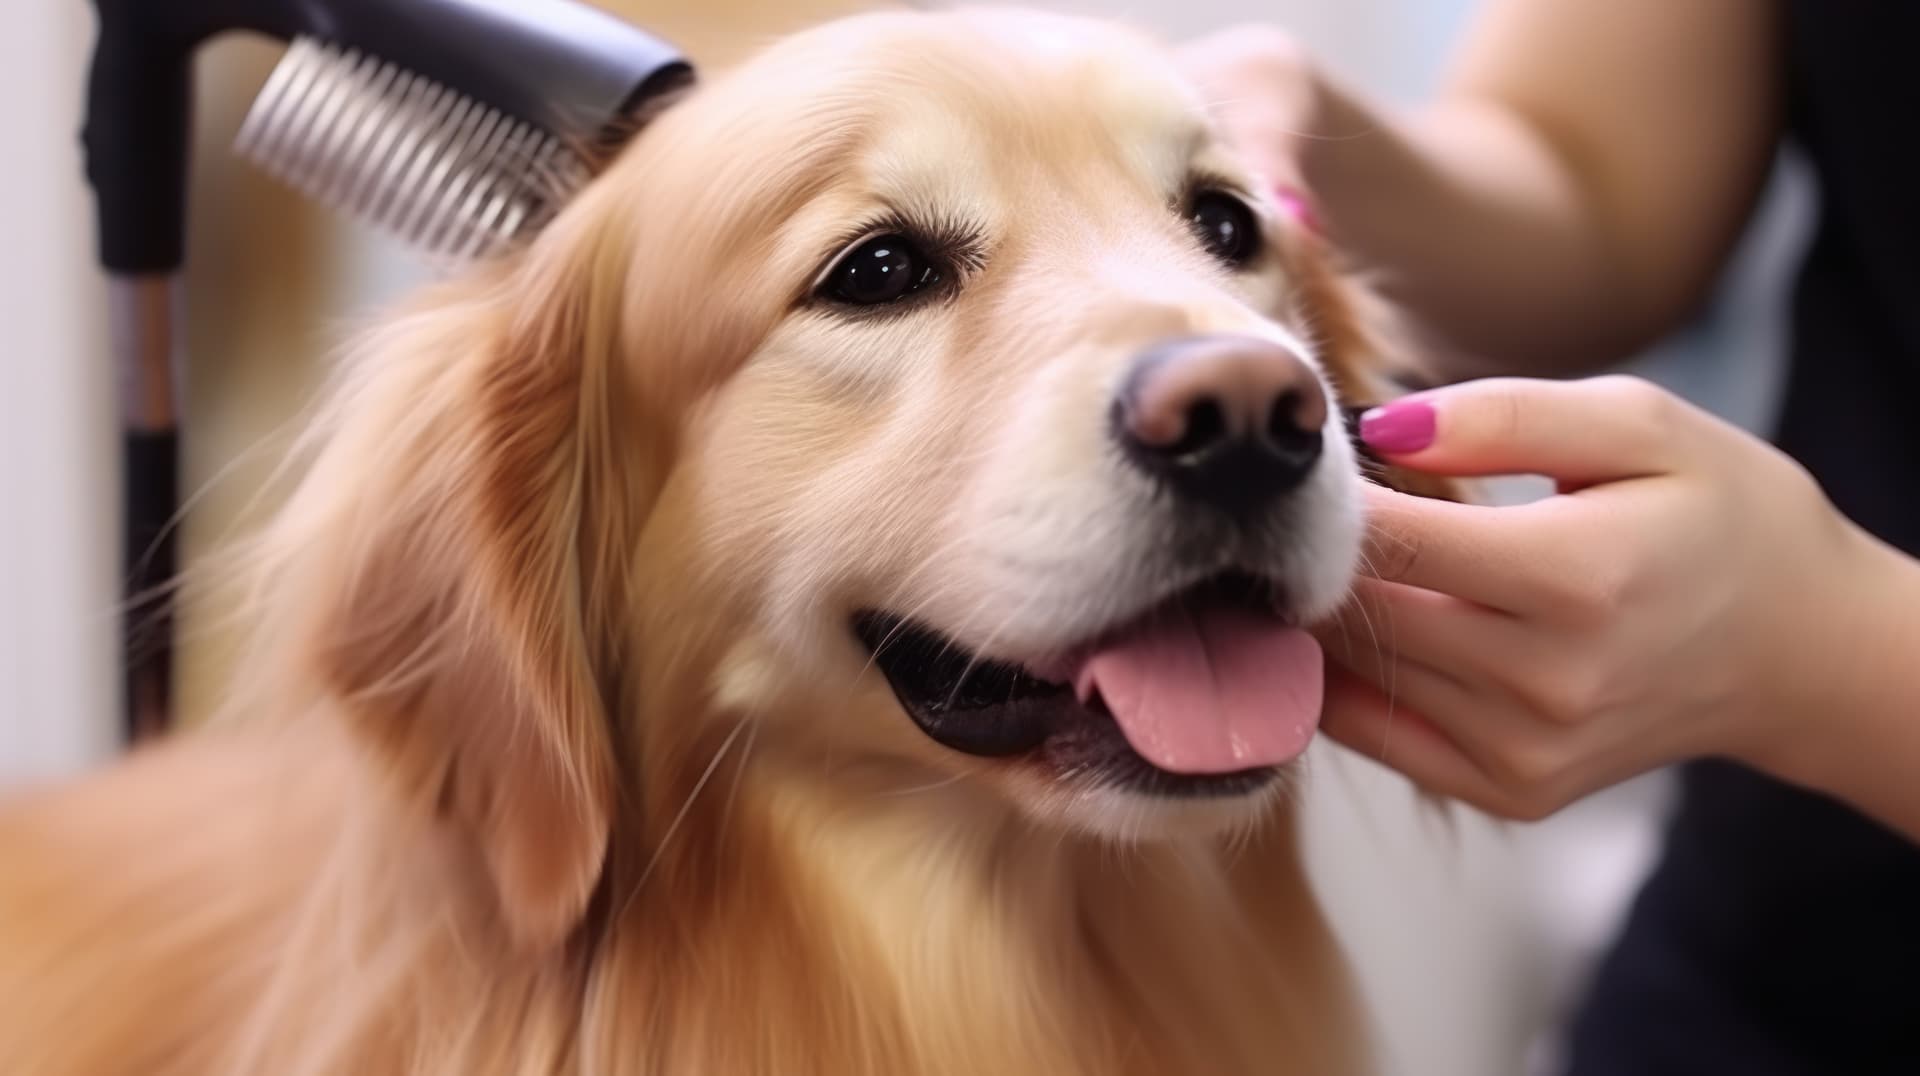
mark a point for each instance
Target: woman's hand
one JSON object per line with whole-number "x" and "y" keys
{"x": 1265, "y": 92}
{"x": 1690, "y": 592}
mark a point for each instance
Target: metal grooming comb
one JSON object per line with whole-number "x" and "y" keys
{"x": 452, "y": 173}
{"x": 444, "y": 174}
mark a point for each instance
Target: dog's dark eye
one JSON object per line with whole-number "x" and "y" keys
{"x": 881, "y": 270}
{"x": 1225, "y": 226}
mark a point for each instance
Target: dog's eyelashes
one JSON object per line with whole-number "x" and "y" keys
{"x": 1225, "y": 225}
{"x": 881, "y": 270}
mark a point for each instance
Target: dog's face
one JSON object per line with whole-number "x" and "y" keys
{"x": 935, "y": 397}
{"x": 1036, "y": 467}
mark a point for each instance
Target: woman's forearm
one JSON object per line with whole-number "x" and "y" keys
{"x": 1474, "y": 229}
{"x": 1573, "y": 190}
{"x": 1863, "y": 746}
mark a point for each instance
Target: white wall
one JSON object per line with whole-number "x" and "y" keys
{"x": 58, "y": 454}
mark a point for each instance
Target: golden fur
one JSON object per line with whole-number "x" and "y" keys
{"x": 554, "y": 755}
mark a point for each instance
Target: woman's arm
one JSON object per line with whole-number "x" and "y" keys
{"x": 1690, "y": 593}
{"x": 1868, "y": 754}
{"x": 1569, "y": 195}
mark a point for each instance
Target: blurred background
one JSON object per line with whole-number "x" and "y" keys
{"x": 1471, "y": 938}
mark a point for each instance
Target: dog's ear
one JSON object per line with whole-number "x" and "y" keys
{"x": 465, "y": 534}
{"x": 1360, "y": 341}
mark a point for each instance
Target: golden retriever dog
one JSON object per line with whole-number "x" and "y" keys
{"x": 834, "y": 603}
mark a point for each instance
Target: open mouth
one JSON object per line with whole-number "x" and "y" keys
{"x": 1208, "y": 692}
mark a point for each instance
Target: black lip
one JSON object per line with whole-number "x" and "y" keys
{"x": 997, "y": 709}
{"x": 981, "y": 707}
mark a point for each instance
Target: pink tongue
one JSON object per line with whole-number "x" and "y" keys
{"x": 1210, "y": 692}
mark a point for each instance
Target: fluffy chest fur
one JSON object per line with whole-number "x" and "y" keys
{"x": 814, "y": 937}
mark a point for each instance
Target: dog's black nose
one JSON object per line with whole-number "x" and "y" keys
{"x": 1228, "y": 421}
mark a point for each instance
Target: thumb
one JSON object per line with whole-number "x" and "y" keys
{"x": 1603, "y": 429}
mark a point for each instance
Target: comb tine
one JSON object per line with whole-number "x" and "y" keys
{"x": 263, "y": 116}
{"x": 504, "y": 207}
{"x": 417, "y": 155}
{"x": 437, "y": 170}
{"x": 276, "y": 118}
{"x": 329, "y": 94}
{"x": 415, "y": 126}
{"x": 428, "y": 217}
{"x": 389, "y": 124}
{"x": 436, "y": 165}
{"x": 480, "y": 211}
{"x": 450, "y": 221}
{"x": 373, "y": 82}
{"x": 492, "y": 214}
{"x": 464, "y": 226}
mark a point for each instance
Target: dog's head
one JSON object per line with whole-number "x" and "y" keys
{"x": 936, "y": 395}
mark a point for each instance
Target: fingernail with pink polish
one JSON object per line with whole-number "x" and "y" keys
{"x": 1399, "y": 428}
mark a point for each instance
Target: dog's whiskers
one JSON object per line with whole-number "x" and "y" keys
{"x": 928, "y": 564}
{"x": 931, "y": 786}
{"x": 680, "y": 816}
{"x": 1388, "y": 659}
{"x": 739, "y": 773}
{"x": 974, "y": 658}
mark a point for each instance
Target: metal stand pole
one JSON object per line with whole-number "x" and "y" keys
{"x": 147, "y": 322}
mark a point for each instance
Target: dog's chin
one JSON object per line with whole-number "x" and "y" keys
{"x": 1125, "y": 816}
{"x": 1058, "y": 748}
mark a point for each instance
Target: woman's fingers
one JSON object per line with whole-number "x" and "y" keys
{"x": 1369, "y": 721}
{"x": 1485, "y": 555}
{"x": 1490, "y": 771}
{"x": 1386, "y": 622}
{"x": 1388, "y": 731}
{"x": 1538, "y": 559}
{"x": 1480, "y": 716}
{"x": 1533, "y": 560}
{"x": 1577, "y": 432}
{"x": 1259, "y": 86}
